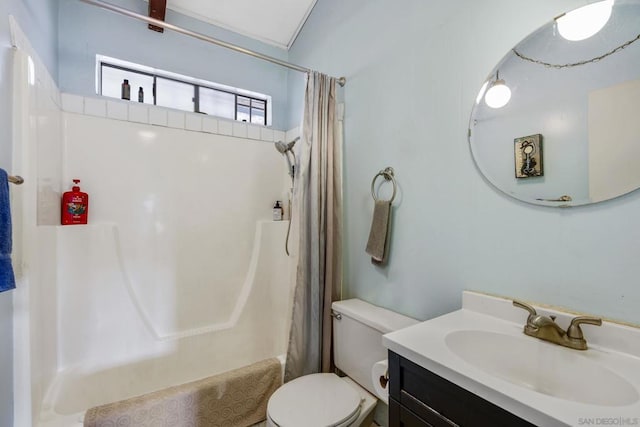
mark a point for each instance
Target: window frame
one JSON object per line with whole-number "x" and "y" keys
{"x": 196, "y": 84}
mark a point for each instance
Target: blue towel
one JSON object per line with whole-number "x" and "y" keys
{"x": 7, "y": 279}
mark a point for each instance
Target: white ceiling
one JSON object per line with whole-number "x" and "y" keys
{"x": 276, "y": 22}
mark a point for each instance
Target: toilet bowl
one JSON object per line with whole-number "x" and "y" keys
{"x": 320, "y": 400}
{"x": 328, "y": 400}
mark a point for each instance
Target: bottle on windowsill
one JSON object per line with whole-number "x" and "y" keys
{"x": 126, "y": 90}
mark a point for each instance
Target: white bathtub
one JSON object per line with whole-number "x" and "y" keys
{"x": 110, "y": 349}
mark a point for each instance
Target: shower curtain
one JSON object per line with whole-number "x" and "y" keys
{"x": 317, "y": 223}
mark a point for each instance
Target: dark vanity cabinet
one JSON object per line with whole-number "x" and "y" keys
{"x": 420, "y": 398}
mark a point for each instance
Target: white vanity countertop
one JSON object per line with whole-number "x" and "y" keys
{"x": 614, "y": 347}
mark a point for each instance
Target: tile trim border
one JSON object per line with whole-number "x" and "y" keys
{"x": 77, "y": 104}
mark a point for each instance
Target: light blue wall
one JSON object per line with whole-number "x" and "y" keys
{"x": 413, "y": 71}
{"x": 38, "y": 19}
{"x": 86, "y": 31}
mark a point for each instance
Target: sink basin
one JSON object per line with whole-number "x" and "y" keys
{"x": 543, "y": 367}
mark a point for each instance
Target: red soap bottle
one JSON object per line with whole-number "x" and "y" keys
{"x": 75, "y": 206}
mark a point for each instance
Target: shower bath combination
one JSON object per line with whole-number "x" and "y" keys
{"x": 285, "y": 148}
{"x": 150, "y": 263}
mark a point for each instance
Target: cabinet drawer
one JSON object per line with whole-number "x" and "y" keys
{"x": 420, "y": 390}
{"x": 400, "y": 416}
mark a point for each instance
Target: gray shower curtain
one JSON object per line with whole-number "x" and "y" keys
{"x": 317, "y": 230}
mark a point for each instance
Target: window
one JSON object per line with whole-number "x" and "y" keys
{"x": 250, "y": 110}
{"x": 174, "y": 94}
{"x": 172, "y": 90}
{"x": 112, "y": 83}
{"x": 217, "y": 103}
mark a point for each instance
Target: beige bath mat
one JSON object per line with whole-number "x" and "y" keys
{"x": 236, "y": 398}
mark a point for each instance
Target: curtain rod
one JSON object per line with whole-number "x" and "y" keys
{"x": 159, "y": 23}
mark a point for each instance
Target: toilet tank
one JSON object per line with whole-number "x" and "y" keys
{"x": 357, "y": 337}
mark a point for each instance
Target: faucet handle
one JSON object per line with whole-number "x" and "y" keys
{"x": 530, "y": 326}
{"x": 575, "y": 331}
{"x": 525, "y": 306}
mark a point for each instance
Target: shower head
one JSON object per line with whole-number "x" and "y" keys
{"x": 284, "y": 147}
{"x": 281, "y": 147}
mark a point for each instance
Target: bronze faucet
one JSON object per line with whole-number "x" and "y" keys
{"x": 547, "y": 329}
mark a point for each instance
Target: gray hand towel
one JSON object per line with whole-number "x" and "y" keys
{"x": 376, "y": 246}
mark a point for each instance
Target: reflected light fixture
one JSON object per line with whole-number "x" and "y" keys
{"x": 582, "y": 23}
{"x": 498, "y": 94}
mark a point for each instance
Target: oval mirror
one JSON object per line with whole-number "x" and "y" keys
{"x": 557, "y": 122}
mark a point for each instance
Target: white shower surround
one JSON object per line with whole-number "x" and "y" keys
{"x": 154, "y": 291}
{"x": 185, "y": 205}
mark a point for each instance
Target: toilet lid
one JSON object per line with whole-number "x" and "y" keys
{"x": 317, "y": 399}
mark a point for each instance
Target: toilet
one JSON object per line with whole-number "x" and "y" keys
{"x": 323, "y": 400}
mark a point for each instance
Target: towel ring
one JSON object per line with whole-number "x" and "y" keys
{"x": 387, "y": 174}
